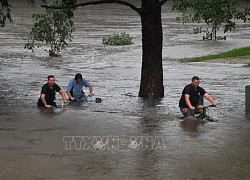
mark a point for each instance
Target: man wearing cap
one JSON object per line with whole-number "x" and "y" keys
{"x": 74, "y": 89}
{"x": 192, "y": 93}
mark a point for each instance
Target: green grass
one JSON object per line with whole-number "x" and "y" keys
{"x": 239, "y": 52}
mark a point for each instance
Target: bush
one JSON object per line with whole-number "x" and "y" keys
{"x": 118, "y": 39}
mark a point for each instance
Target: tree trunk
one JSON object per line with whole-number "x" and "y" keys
{"x": 152, "y": 71}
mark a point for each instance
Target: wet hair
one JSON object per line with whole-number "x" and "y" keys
{"x": 78, "y": 76}
{"x": 195, "y": 78}
{"x": 51, "y": 76}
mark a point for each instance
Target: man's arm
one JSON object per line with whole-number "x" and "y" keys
{"x": 86, "y": 84}
{"x": 69, "y": 88}
{"x": 42, "y": 96}
{"x": 209, "y": 98}
{"x": 90, "y": 90}
{"x": 63, "y": 96}
{"x": 187, "y": 100}
{"x": 70, "y": 96}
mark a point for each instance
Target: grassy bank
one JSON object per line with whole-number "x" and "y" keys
{"x": 239, "y": 52}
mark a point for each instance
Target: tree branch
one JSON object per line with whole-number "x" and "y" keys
{"x": 138, "y": 10}
{"x": 163, "y": 2}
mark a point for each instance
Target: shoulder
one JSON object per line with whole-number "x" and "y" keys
{"x": 188, "y": 87}
{"x": 45, "y": 86}
{"x": 56, "y": 86}
{"x": 71, "y": 82}
{"x": 85, "y": 82}
{"x": 45, "y": 89}
{"x": 201, "y": 89}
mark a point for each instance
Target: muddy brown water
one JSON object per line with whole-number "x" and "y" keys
{"x": 32, "y": 145}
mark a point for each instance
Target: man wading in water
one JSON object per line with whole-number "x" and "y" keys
{"x": 189, "y": 102}
{"x": 74, "y": 89}
{"x": 48, "y": 93}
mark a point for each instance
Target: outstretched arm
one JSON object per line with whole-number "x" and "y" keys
{"x": 209, "y": 98}
{"x": 42, "y": 96}
{"x": 63, "y": 96}
{"x": 90, "y": 90}
{"x": 70, "y": 96}
{"x": 69, "y": 88}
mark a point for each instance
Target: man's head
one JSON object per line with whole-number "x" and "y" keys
{"x": 78, "y": 78}
{"x": 51, "y": 80}
{"x": 195, "y": 81}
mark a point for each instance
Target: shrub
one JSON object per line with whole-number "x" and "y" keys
{"x": 118, "y": 39}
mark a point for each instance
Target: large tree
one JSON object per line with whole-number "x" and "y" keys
{"x": 152, "y": 38}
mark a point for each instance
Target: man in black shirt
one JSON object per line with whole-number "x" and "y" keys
{"x": 189, "y": 102}
{"x": 48, "y": 92}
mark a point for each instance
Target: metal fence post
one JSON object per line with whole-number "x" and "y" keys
{"x": 247, "y": 89}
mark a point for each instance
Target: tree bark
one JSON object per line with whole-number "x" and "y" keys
{"x": 152, "y": 71}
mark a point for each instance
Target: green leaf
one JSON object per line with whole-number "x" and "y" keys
{"x": 52, "y": 28}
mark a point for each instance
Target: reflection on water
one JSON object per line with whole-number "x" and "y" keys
{"x": 51, "y": 111}
{"x": 192, "y": 126}
{"x": 32, "y": 144}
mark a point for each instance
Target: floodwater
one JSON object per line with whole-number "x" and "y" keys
{"x": 33, "y": 144}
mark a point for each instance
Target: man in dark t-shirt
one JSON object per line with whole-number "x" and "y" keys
{"x": 189, "y": 102}
{"x": 48, "y": 92}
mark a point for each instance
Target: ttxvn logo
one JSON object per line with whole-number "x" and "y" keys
{"x": 113, "y": 143}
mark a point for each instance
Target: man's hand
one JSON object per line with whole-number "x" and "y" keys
{"x": 48, "y": 106}
{"x": 72, "y": 99}
{"x": 192, "y": 108}
{"x": 209, "y": 98}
